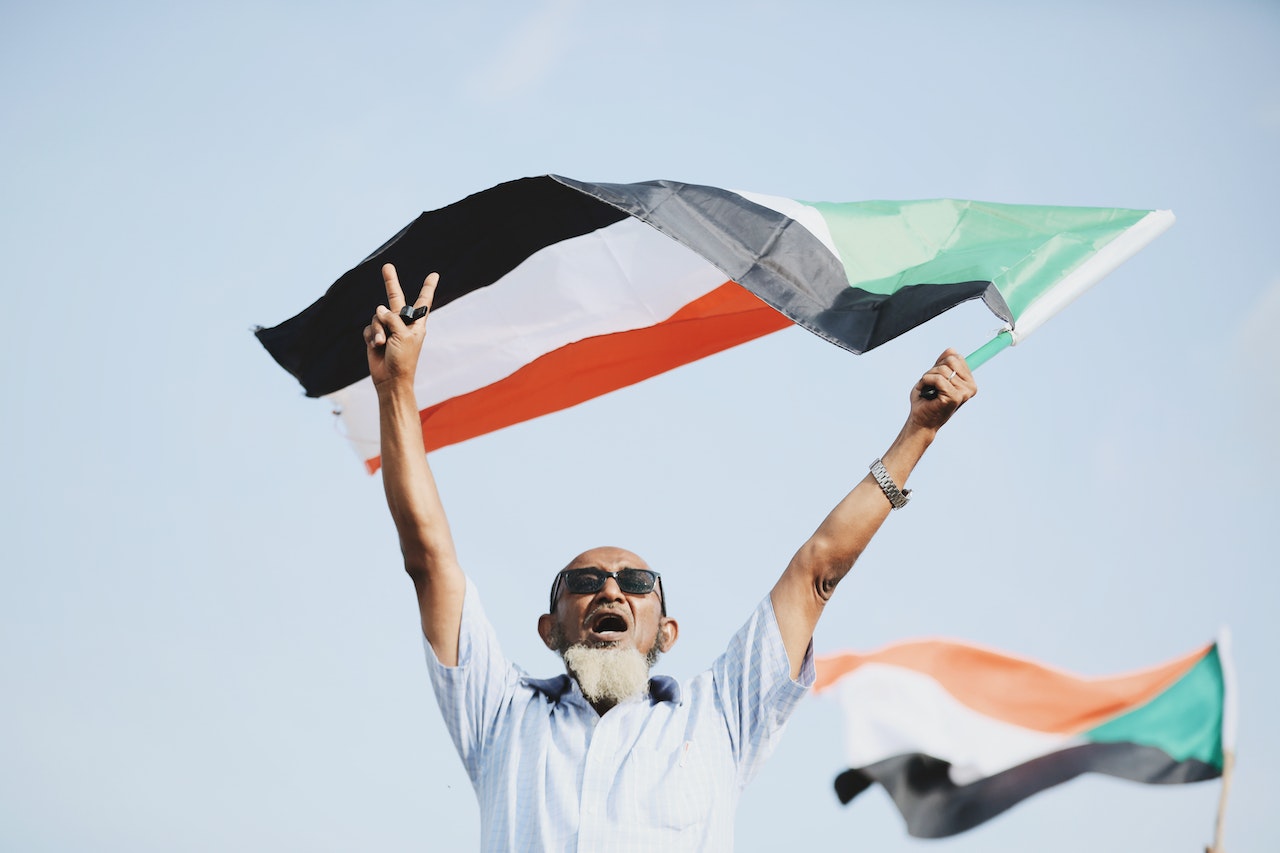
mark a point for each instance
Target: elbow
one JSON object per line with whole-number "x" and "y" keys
{"x": 824, "y": 564}
{"x": 418, "y": 564}
{"x": 417, "y": 571}
{"x": 432, "y": 570}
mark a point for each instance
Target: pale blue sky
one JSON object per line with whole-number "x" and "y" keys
{"x": 206, "y": 640}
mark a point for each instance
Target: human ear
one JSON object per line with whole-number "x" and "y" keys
{"x": 547, "y": 629}
{"x": 668, "y": 631}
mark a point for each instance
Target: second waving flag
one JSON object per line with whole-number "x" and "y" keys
{"x": 957, "y": 733}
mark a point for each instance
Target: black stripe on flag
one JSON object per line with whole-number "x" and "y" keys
{"x": 935, "y": 807}
{"x": 471, "y": 243}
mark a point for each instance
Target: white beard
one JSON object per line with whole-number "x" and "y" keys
{"x": 608, "y": 674}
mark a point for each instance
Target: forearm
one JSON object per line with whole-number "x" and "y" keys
{"x": 418, "y": 513}
{"x": 412, "y": 496}
{"x": 801, "y": 594}
{"x": 847, "y": 530}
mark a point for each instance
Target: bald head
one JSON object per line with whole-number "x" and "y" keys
{"x": 606, "y": 556}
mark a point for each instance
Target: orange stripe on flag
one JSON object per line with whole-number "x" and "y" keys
{"x": 572, "y": 374}
{"x": 1016, "y": 690}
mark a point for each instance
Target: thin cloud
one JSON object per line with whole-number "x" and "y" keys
{"x": 528, "y": 55}
{"x": 1255, "y": 383}
{"x": 1255, "y": 339}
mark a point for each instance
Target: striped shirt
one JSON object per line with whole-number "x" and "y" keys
{"x": 659, "y": 772}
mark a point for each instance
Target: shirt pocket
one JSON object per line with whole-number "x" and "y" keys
{"x": 672, "y": 790}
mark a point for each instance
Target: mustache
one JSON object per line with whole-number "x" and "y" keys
{"x": 605, "y": 607}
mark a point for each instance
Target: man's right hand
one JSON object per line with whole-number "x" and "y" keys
{"x": 393, "y": 345}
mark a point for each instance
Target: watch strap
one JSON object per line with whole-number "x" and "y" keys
{"x": 897, "y": 497}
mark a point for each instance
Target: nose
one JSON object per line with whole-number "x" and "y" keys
{"x": 611, "y": 591}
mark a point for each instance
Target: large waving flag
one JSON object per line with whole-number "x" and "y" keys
{"x": 957, "y": 734}
{"x": 553, "y": 291}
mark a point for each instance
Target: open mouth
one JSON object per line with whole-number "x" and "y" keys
{"x": 608, "y": 626}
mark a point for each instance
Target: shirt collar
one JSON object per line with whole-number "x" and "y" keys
{"x": 662, "y": 688}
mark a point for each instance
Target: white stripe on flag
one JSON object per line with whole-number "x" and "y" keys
{"x": 798, "y": 211}
{"x": 1229, "y": 699}
{"x": 626, "y": 276}
{"x": 890, "y": 710}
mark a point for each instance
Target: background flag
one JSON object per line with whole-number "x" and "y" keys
{"x": 553, "y": 291}
{"x": 957, "y": 734}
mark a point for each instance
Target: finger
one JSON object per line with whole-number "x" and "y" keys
{"x": 935, "y": 389}
{"x": 395, "y": 296}
{"x": 942, "y": 379}
{"x": 960, "y": 376}
{"x": 935, "y": 380}
{"x": 387, "y": 323}
{"x": 422, "y": 305}
{"x": 953, "y": 389}
{"x": 929, "y": 385}
{"x": 955, "y": 361}
{"x": 428, "y": 293}
{"x": 375, "y": 335}
{"x": 949, "y": 373}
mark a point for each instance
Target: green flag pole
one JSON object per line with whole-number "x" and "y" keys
{"x": 982, "y": 354}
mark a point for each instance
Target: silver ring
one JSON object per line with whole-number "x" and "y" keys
{"x": 952, "y": 376}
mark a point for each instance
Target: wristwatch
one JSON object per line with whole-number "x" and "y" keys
{"x": 897, "y": 497}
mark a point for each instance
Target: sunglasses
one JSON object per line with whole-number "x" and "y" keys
{"x": 590, "y": 581}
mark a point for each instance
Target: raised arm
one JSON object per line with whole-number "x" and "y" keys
{"x": 393, "y": 347}
{"x": 802, "y": 592}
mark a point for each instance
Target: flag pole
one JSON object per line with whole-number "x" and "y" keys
{"x": 982, "y": 354}
{"x": 1228, "y": 733}
{"x": 1083, "y": 277}
{"x": 1228, "y": 764}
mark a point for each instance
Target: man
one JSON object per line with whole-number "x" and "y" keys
{"x": 603, "y": 757}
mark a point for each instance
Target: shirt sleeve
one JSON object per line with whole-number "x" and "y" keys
{"x": 754, "y": 688}
{"x": 474, "y": 694}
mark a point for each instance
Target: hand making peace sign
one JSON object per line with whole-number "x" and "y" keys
{"x": 393, "y": 338}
